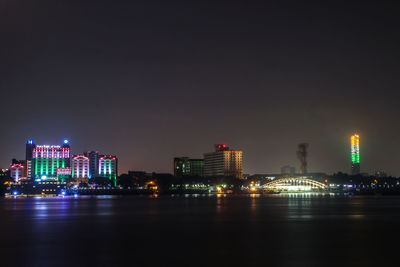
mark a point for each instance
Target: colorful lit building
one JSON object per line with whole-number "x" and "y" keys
{"x": 49, "y": 161}
{"x": 223, "y": 162}
{"x": 185, "y": 166}
{"x": 80, "y": 168}
{"x": 17, "y": 172}
{"x": 355, "y": 154}
{"x": 64, "y": 174}
{"x": 108, "y": 168}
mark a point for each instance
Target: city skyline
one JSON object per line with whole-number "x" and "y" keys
{"x": 262, "y": 132}
{"x": 148, "y": 82}
{"x": 295, "y": 160}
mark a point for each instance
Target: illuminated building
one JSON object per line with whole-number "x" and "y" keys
{"x": 64, "y": 173}
{"x": 108, "y": 168}
{"x": 80, "y": 166}
{"x": 17, "y": 172}
{"x": 223, "y": 162}
{"x": 185, "y": 166}
{"x": 355, "y": 154}
{"x": 30, "y": 145}
{"x": 93, "y": 163}
{"x": 46, "y": 160}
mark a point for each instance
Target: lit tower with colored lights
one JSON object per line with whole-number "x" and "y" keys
{"x": 355, "y": 154}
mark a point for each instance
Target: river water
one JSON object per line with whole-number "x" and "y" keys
{"x": 251, "y": 230}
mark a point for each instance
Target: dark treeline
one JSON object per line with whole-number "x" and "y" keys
{"x": 168, "y": 182}
{"x": 343, "y": 178}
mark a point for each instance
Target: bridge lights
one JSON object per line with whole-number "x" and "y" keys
{"x": 295, "y": 185}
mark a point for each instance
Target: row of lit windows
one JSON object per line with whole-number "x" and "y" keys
{"x": 51, "y": 156}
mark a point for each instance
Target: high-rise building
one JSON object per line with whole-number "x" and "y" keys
{"x": 80, "y": 167}
{"x": 30, "y": 145}
{"x": 223, "y": 162}
{"x": 185, "y": 166}
{"x": 48, "y": 161}
{"x": 93, "y": 163}
{"x": 108, "y": 168}
{"x": 355, "y": 154}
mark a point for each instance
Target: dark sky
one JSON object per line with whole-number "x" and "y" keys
{"x": 148, "y": 81}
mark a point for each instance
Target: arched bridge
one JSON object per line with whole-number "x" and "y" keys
{"x": 294, "y": 184}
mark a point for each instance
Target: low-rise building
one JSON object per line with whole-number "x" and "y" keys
{"x": 17, "y": 172}
{"x": 185, "y": 166}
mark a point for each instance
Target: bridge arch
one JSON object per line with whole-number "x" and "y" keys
{"x": 294, "y": 184}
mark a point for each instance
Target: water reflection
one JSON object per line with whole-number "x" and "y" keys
{"x": 288, "y": 230}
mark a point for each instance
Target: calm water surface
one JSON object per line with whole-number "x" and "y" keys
{"x": 295, "y": 230}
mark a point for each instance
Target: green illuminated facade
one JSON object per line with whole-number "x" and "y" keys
{"x": 108, "y": 168}
{"x": 49, "y": 166}
{"x": 51, "y": 162}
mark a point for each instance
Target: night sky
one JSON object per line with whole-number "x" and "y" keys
{"x": 148, "y": 81}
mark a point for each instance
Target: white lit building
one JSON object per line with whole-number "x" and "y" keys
{"x": 80, "y": 166}
{"x": 223, "y": 162}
